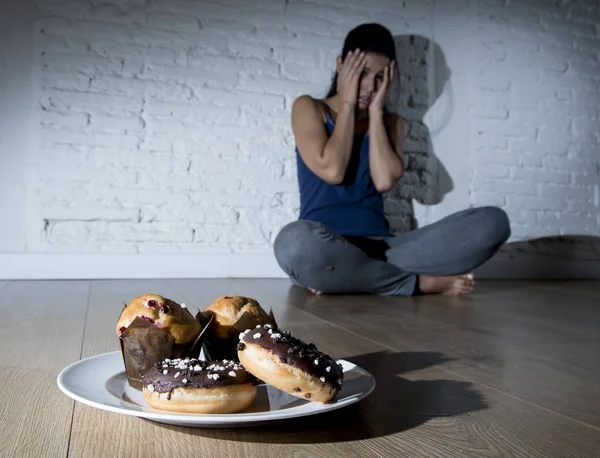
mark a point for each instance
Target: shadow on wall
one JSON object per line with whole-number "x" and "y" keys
{"x": 423, "y": 75}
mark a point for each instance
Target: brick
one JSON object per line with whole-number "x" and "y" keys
{"x": 51, "y": 43}
{"x": 586, "y": 178}
{"x": 89, "y": 175}
{"x": 561, "y": 220}
{"x": 501, "y": 187}
{"x": 87, "y": 212}
{"x": 112, "y": 124}
{"x": 549, "y": 191}
{"x": 66, "y": 102}
{"x": 120, "y": 141}
{"x": 66, "y": 82}
{"x": 490, "y": 199}
{"x": 179, "y": 23}
{"x": 142, "y": 232}
{"x": 78, "y": 62}
{"x": 518, "y": 217}
{"x": 71, "y": 121}
{"x": 543, "y": 176}
{"x": 140, "y": 89}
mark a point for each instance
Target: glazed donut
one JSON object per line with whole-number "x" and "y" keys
{"x": 289, "y": 364}
{"x": 163, "y": 313}
{"x": 193, "y": 386}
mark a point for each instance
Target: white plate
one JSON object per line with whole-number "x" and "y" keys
{"x": 100, "y": 381}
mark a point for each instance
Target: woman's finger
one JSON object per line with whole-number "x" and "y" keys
{"x": 350, "y": 58}
{"x": 357, "y": 71}
{"x": 359, "y": 65}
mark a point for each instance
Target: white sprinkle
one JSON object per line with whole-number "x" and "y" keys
{"x": 257, "y": 335}
{"x": 183, "y": 305}
{"x": 150, "y": 388}
{"x": 167, "y": 360}
{"x": 328, "y": 368}
{"x": 317, "y": 362}
{"x": 215, "y": 376}
{"x": 165, "y": 372}
{"x": 270, "y": 331}
{"x": 197, "y": 367}
{"x": 184, "y": 380}
{"x": 258, "y": 326}
{"x": 242, "y": 334}
{"x": 322, "y": 379}
{"x": 267, "y": 326}
{"x": 177, "y": 374}
{"x": 231, "y": 374}
{"x": 275, "y": 335}
{"x": 225, "y": 361}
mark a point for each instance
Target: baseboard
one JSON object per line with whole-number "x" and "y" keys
{"x": 542, "y": 268}
{"x": 94, "y": 266}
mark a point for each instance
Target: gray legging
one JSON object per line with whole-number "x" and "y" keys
{"x": 315, "y": 256}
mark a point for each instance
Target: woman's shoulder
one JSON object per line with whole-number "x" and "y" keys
{"x": 308, "y": 104}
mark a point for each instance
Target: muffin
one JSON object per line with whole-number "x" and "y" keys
{"x": 230, "y": 315}
{"x": 152, "y": 328}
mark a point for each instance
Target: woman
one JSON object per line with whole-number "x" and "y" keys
{"x": 349, "y": 151}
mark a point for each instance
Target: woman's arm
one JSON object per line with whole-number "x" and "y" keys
{"x": 326, "y": 157}
{"x": 386, "y": 135}
{"x": 385, "y": 150}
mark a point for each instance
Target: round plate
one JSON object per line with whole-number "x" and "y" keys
{"x": 100, "y": 381}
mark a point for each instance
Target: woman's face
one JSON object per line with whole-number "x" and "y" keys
{"x": 371, "y": 78}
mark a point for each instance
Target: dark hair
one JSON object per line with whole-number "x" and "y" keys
{"x": 369, "y": 37}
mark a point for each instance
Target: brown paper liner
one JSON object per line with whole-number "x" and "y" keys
{"x": 216, "y": 348}
{"x": 143, "y": 345}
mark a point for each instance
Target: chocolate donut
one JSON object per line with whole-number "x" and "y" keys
{"x": 289, "y": 364}
{"x": 194, "y": 386}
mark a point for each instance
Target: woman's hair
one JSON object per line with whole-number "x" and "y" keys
{"x": 366, "y": 37}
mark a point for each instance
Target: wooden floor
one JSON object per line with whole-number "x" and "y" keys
{"x": 511, "y": 370}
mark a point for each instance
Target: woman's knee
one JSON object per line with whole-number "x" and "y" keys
{"x": 496, "y": 224}
{"x": 296, "y": 240}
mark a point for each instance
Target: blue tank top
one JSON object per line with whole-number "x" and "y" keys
{"x": 354, "y": 207}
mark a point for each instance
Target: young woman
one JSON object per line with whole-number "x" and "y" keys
{"x": 349, "y": 151}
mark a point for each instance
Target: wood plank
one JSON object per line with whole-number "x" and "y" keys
{"x": 517, "y": 341}
{"x": 41, "y": 330}
{"x": 418, "y": 409}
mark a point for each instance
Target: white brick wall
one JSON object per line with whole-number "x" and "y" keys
{"x": 535, "y": 114}
{"x": 163, "y": 127}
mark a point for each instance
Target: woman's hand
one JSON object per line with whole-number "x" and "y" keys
{"x": 349, "y": 76}
{"x": 389, "y": 73}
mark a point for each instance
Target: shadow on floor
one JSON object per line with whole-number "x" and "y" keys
{"x": 397, "y": 404}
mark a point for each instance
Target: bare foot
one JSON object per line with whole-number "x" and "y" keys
{"x": 451, "y": 286}
{"x": 314, "y": 291}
